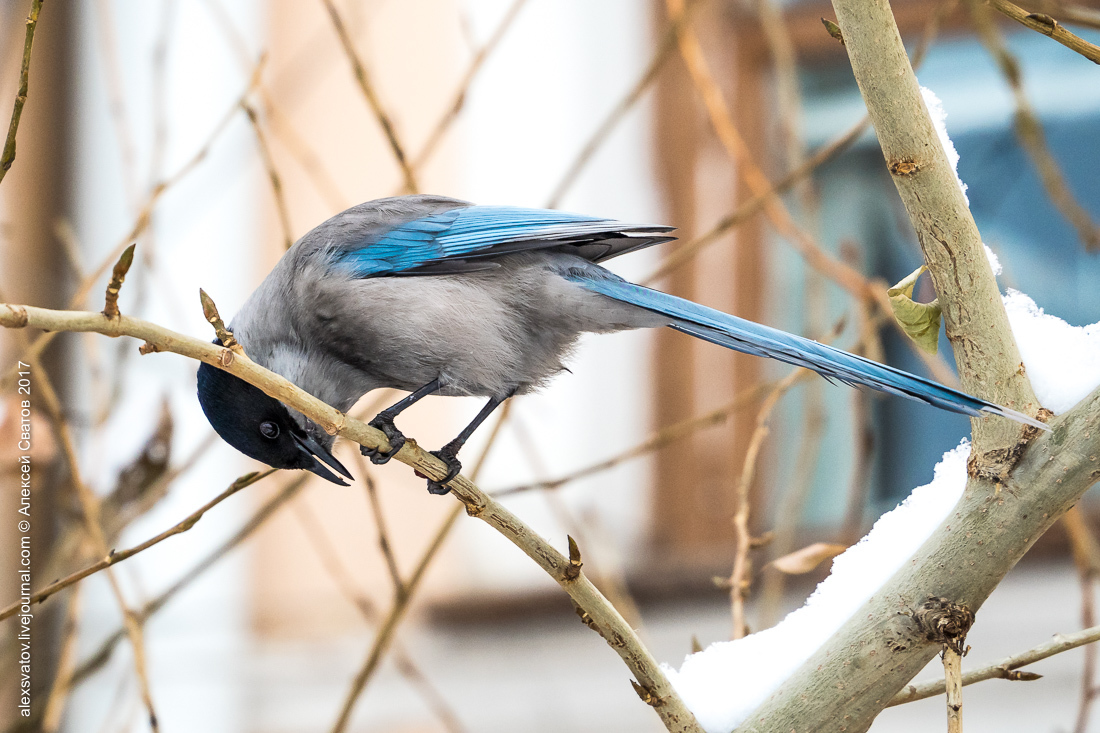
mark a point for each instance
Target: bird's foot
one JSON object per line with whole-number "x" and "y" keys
{"x": 454, "y": 466}
{"x": 384, "y": 422}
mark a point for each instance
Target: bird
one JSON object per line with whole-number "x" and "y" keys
{"x": 437, "y": 296}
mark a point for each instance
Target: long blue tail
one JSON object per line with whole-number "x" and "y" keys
{"x": 752, "y": 338}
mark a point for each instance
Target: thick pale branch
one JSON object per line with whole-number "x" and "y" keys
{"x": 1017, "y": 488}
{"x": 974, "y": 317}
{"x": 602, "y": 615}
{"x": 879, "y": 650}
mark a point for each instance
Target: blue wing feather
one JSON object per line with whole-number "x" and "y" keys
{"x": 478, "y": 232}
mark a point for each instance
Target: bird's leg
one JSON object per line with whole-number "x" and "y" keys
{"x": 449, "y": 453}
{"x": 384, "y": 421}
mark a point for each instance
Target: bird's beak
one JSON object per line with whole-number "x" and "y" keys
{"x": 315, "y": 450}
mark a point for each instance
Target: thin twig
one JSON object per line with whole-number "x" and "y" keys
{"x": 107, "y": 47}
{"x": 98, "y": 658}
{"x": 384, "y": 543}
{"x": 952, "y": 675}
{"x": 664, "y": 436}
{"x": 160, "y": 90}
{"x": 389, "y": 625}
{"x": 1005, "y": 669}
{"x": 793, "y": 502}
{"x": 300, "y": 149}
{"x": 736, "y": 147}
{"x": 141, "y": 221}
{"x": 741, "y": 575}
{"x": 8, "y": 156}
{"x": 687, "y": 251}
{"x": 740, "y": 579}
{"x": 114, "y": 558}
{"x": 624, "y": 105}
{"x": 367, "y": 87}
{"x": 89, "y": 505}
{"x": 347, "y": 586}
{"x": 1048, "y": 26}
{"x": 62, "y": 681}
{"x": 402, "y": 601}
{"x": 459, "y": 99}
{"x": 272, "y": 174}
{"x": 1030, "y": 131}
{"x": 1086, "y": 557}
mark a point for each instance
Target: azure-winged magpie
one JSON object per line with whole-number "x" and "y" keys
{"x": 433, "y": 295}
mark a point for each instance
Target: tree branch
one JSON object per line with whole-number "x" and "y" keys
{"x": 1048, "y": 26}
{"x": 602, "y": 615}
{"x": 114, "y": 558}
{"x": 1005, "y": 669}
{"x": 660, "y": 55}
{"x": 879, "y": 650}
{"x": 1019, "y": 484}
{"x": 8, "y": 156}
{"x": 974, "y": 316}
{"x": 367, "y": 87}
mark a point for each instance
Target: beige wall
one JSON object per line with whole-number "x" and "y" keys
{"x": 415, "y": 52}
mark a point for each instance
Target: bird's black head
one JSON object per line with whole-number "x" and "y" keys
{"x": 260, "y": 426}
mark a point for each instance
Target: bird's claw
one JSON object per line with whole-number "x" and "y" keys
{"x": 393, "y": 435}
{"x": 454, "y": 467}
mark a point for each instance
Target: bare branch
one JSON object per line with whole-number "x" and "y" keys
{"x": 272, "y": 174}
{"x": 1048, "y": 26}
{"x": 114, "y": 558}
{"x": 89, "y": 504}
{"x": 1030, "y": 131}
{"x": 1019, "y": 484}
{"x": 664, "y": 436}
{"x": 141, "y": 221}
{"x": 660, "y": 55}
{"x": 390, "y": 623}
{"x": 99, "y": 657}
{"x": 367, "y": 87}
{"x": 688, "y": 250}
{"x": 341, "y": 576}
{"x": 1005, "y": 669}
{"x": 62, "y": 682}
{"x": 384, "y": 543}
{"x": 403, "y": 600}
{"x": 741, "y": 575}
{"x": 472, "y": 70}
{"x": 8, "y": 156}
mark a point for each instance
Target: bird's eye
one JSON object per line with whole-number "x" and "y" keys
{"x": 269, "y": 429}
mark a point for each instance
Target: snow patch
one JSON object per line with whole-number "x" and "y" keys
{"x": 939, "y": 117}
{"x": 729, "y": 679}
{"x": 1062, "y": 361}
{"x": 994, "y": 261}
